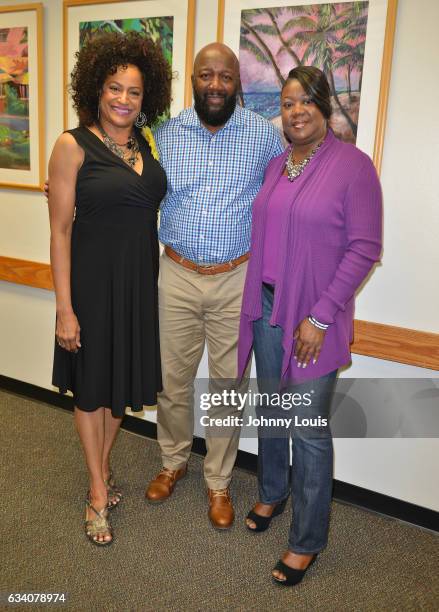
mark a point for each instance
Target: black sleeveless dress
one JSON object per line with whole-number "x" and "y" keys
{"x": 114, "y": 273}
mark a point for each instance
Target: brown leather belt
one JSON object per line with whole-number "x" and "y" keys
{"x": 208, "y": 269}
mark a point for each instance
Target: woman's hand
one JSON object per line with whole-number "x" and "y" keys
{"x": 309, "y": 340}
{"x": 68, "y": 331}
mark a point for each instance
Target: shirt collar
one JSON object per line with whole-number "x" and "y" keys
{"x": 189, "y": 118}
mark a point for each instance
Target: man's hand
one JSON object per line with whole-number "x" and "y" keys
{"x": 46, "y": 189}
{"x": 309, "y": 340}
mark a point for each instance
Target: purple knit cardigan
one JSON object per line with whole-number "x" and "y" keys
{"x": 331, "y": 237}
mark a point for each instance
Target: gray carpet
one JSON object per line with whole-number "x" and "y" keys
{"x": 168, "y": 557}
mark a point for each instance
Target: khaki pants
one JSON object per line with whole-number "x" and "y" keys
{"x": 196, "y": 309}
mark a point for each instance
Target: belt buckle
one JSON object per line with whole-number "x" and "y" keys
{"x": 206, "y": 267}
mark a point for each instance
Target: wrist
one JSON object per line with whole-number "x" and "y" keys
{"x": 64, "y": 310}
{"x": 318, "y": 324}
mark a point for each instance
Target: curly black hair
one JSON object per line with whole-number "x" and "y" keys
{"x": 102, "y": 56}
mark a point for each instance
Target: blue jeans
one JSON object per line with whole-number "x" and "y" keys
{"x": 309, "y": 480}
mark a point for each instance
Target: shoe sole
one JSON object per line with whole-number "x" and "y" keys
{"x": 221, "y": 528}
{"x": 100, "y": 544}
{"x": 218, "y": 527}
{"x": 158, "y": 501}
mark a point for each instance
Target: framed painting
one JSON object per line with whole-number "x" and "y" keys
{"x": 172, "y": 22}
{"x": 22, "y": 130}
{"x": 351, "y": 41}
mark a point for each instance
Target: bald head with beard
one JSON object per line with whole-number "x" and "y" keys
{"x": 215, "y": 83}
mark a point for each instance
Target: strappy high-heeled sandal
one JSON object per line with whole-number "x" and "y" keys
{"x": 98, "y": 526}
{"x": 263, "y": 522}
{"x": 114, "y": 493}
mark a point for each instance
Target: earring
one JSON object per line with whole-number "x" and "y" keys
{"x": 141, "y": 120}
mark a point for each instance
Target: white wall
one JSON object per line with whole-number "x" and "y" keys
{"x": 403, "y": 291}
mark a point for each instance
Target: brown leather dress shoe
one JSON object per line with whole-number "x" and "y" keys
{"x": 221, "y": 513}
{"x": 163, "y": 484}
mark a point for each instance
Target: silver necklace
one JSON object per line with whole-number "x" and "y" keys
{"x": 295, "y": 170}
{"x": 132, "y": 146}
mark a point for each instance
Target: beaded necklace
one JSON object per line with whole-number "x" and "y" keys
{"x": 129, "y": 157}
{"x": 295, "y": 170}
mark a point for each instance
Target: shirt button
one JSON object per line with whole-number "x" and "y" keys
{"x": 204, "y": 211}
{"x": 201, "y": 237}
{"x": 208, "y": 188}
{"x": 210, "y": 162}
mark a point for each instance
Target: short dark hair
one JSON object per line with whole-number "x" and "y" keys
{"x": 103, "y": 55}
{"x": 315, "y": 85}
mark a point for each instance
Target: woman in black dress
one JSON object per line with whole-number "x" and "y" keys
{"x": 105, "y": 189}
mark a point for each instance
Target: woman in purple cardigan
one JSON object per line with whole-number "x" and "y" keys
{"x": 316, "y": 235}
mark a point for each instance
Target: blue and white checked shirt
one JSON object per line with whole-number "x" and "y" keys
{"x": 212, "y": 182}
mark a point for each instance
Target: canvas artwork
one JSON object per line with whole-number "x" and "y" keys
{"x": 158, "y": 28}
{"x": 14, "y": 99}
{"x": 329, "y": 36}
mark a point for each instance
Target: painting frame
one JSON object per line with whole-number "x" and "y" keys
{"x": 29, "y": 16}
{"x": 383, "y": 38}
{"x": 72, "y": 11}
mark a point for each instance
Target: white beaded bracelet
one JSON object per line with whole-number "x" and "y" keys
{"x": 317, "y": 324}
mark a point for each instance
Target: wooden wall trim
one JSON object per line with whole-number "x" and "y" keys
{"x": 25, "y": 272}
{"x": 399, "y": 344}
{"x": 386, "y": 70}
{"x": 190, "y": 45}
{"x": 220, "y": 21}
{"x": 389, "y": 342}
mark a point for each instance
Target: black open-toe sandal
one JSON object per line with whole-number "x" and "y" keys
{"x": 263, "y": 522}
{"x": 292, "y": 576}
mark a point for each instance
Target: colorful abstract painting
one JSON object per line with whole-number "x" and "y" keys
{"x": 14, "y": 99}
{"x": 158, "y": 28}
{"x": 330, "y": 36}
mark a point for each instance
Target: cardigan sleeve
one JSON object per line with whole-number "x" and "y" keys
{"x": 363, "y": 222}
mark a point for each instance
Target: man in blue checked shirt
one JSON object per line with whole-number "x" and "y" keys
{"x": 214, "y": 155}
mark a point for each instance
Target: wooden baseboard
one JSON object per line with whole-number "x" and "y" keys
{"x": 388, "y": 342}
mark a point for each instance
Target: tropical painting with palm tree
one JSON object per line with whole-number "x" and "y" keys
{"x": 158, "y": 28}
{"x": 330, "y": 36}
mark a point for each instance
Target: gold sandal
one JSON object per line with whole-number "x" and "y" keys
{"x": 114, "y": 493}
{"x": 98, "y": 526}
